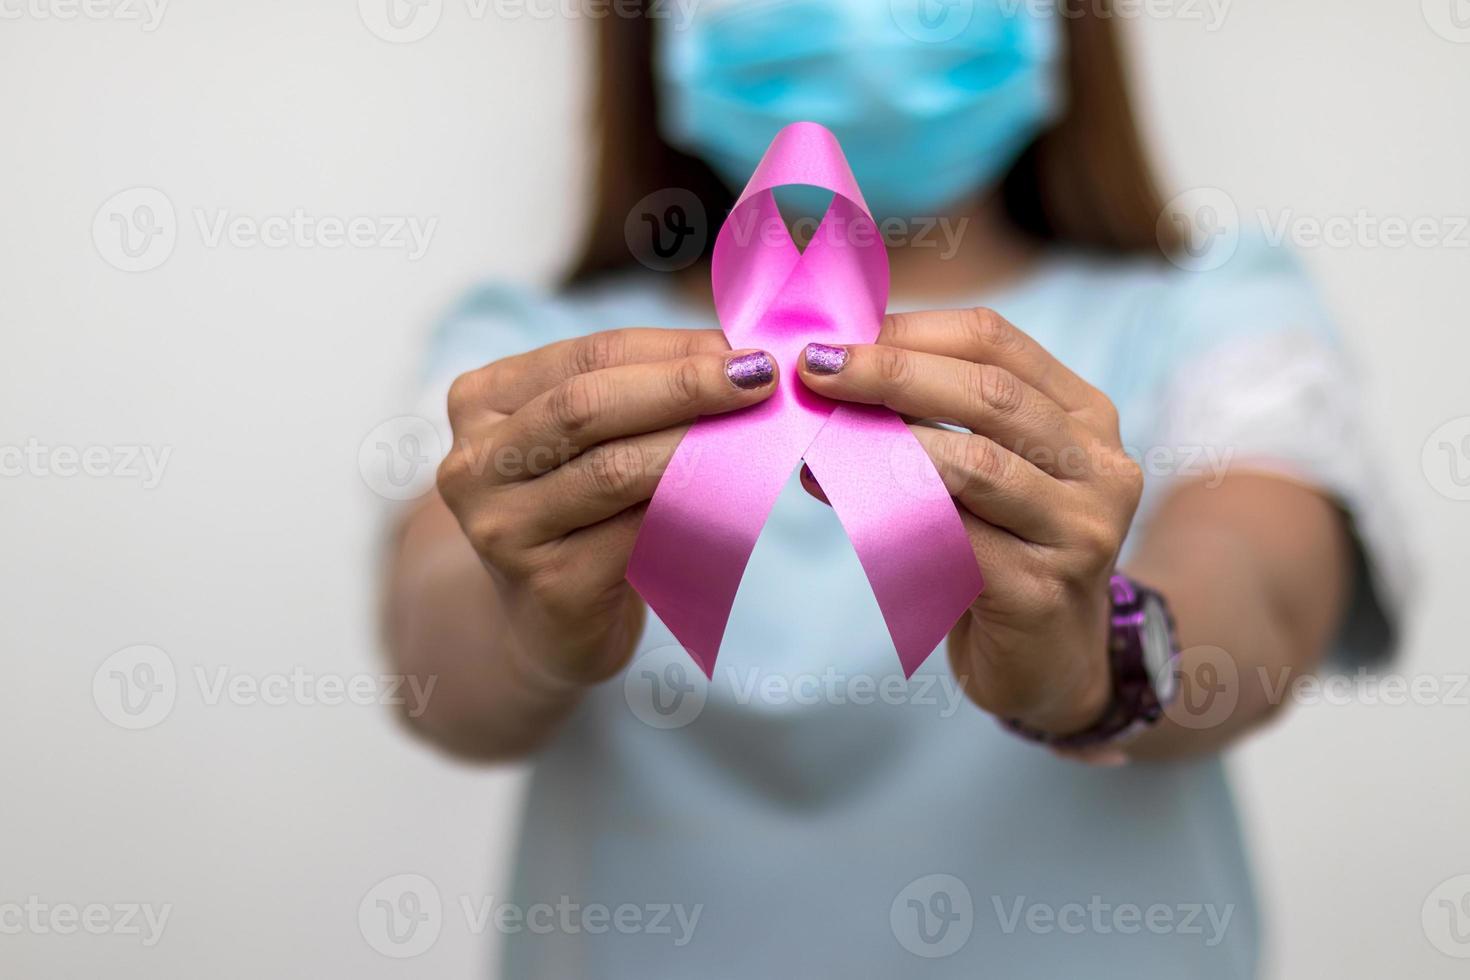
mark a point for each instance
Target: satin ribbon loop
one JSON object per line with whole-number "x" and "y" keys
{"x": 724, "y": 478}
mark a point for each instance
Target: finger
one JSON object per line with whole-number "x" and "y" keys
{"x": 985, "y": 337}
{"x": 508, "y": 384}
{"x": 984, "y": 398}
{"x": 1003, "y": 557}
{"x": 598, "y": 484}
{"x": 995, "y": 484}
{"x": 597, "y": 556}
{"x": 1007, "y": 562}
{"x": 589, "y": 566}
{"x": 473, "y": 435}
{"x": 588, "y": 409}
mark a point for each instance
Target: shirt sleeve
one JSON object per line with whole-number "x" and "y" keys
{"x": 491, "y": 322}
{"x": 1259, "y": 382}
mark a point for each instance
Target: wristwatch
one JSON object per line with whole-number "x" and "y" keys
{"x": 1143, "y": 657}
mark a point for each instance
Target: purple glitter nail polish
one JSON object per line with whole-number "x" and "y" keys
{"x": 750, "y": 371}
{"x": 821, "y": 359}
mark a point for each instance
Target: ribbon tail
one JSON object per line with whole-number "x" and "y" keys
{"x": 705, "y": 518}
{"x": 903, "y": 524}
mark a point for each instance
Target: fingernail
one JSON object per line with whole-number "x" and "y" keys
{"x": 810, "y": 479}
{"x": 751, "y": 371}
{"x": 821, "y": 359}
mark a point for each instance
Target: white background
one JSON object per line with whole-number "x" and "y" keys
{"x": 265, "y": 368}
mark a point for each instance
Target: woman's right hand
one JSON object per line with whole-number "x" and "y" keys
{"x": 556, "y": 453}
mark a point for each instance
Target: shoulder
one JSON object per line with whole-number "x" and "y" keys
{"x": 499, "y": 319}
{"x": 1129, "y": 324}
{"x": 1242, "y": 288}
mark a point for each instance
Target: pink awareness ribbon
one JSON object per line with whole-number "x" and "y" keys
{"x": 725, "y": 476}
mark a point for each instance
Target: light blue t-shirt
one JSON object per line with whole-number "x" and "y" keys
{"x": 808, "y": 813}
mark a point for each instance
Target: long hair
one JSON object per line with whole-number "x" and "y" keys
{"x": 1085, "y": 182}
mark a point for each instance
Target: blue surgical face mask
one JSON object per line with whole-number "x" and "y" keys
{"x": 933, "y": 100}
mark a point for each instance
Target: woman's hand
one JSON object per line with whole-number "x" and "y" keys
{"x": 1044, "y": 487}
{"x": 555, "y": 454}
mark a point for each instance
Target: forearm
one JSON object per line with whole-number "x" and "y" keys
{"x": 509, "y": 585}
{"x": 446, "y": 620}
{"x": 1256, "y": 572}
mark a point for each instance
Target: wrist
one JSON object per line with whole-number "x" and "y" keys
{"x": 1078, "y": 703}
{"x": 1079, "y": 686}
{"x": 1143, "y": 660}
{"x": 557, "y": 660}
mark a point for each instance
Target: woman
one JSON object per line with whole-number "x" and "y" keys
{"x": 807, "y": 812}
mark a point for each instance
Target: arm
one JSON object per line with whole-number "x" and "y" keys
{"x": 445, "y": 618}
{"x": 508, "y": 585}
{"x": 1256, "y": 570}
{"x": 1256, "y": 566}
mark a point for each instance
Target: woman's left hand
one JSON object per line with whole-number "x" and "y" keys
{"x": 1043, "y": 485}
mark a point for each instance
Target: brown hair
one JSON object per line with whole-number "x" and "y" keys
{"x": 1085, "y": 182}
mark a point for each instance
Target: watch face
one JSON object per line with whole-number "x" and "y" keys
{"x": 1158, "y": 650}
